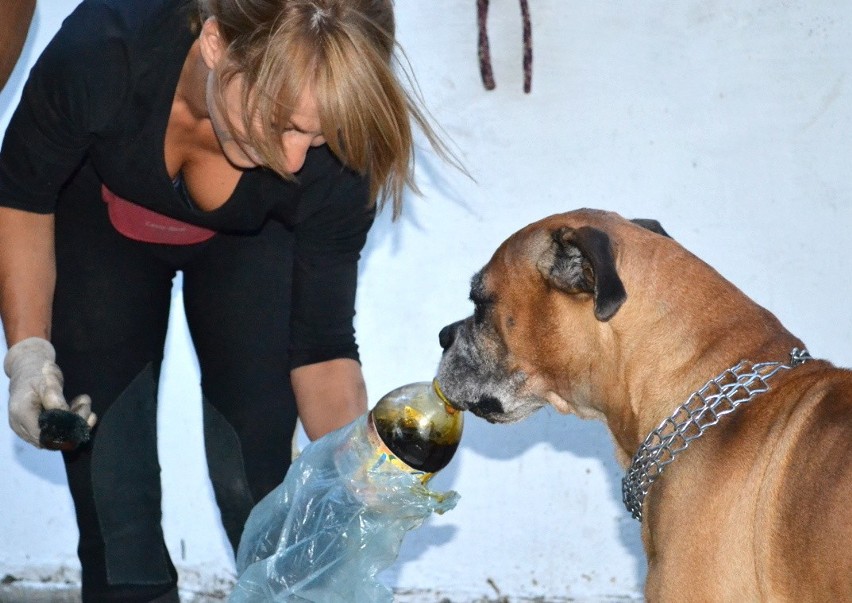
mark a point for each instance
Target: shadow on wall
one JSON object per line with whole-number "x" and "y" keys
{"x": 569, "y": 435}
{"x": 45, "y": 464}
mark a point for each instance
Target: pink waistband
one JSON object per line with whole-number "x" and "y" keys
{"x": 141, "y": 224}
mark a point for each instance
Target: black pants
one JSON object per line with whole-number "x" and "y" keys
{"x": 109, "y": 324}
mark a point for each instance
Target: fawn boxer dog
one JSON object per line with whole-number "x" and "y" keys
{"x": 612, "y": 319}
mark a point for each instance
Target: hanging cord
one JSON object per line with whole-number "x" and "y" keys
{"x": 484, "y": 51}
{"x": 525, "y": 15}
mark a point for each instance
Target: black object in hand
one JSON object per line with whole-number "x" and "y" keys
{"x": 62, "y": 430}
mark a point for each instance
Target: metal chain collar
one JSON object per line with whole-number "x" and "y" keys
{"x": 719, "y": 397}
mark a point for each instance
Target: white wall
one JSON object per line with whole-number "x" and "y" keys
{"x": 727, "y": 120}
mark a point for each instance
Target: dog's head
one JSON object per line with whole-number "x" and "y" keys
{"x": 541, "y": 306}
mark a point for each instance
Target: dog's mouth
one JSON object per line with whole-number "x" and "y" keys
{"x": 501, "y": 406}
{"x": 436, "y": 386}
{"x": 443, "y": 387}
{"x": 489, "y": 408}
{"x": 486, "y": 407}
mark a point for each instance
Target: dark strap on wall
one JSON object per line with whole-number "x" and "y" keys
{"x": 484, "y": 50}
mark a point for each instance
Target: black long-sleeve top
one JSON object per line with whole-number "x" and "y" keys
{"x": 102, "y": 92}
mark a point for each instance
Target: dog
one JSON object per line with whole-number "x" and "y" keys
{"x": 612, "y": 319}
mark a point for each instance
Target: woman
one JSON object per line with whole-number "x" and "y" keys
{"x": 243, "y": 142}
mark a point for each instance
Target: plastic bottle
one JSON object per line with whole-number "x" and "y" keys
{"x": 340, "y": 514}
{"x": 417, "y": 425}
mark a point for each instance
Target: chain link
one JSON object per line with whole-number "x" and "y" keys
{"x": 721, "y": 395}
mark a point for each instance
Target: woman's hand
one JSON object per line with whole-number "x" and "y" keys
{"x": 27, "y": 282}
{"x": 35, "y": 385}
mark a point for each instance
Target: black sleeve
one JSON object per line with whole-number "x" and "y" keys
{"x": 71, "y": 95}
{"x": 325, "y": 269}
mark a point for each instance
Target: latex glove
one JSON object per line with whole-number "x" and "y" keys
{"x": 35, "y": 385}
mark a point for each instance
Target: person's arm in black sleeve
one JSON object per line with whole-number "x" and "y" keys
{"x": 326, "y": 372}
{"x": 63, "y": 105}
{"x": 45, "y": 142}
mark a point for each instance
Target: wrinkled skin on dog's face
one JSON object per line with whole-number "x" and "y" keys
{"x": 538, "y": 307}
{"x": 477, "y": 374}
{"x": 475, "y": 371}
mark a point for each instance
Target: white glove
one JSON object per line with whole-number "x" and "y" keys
{"x": 35, "y": 385}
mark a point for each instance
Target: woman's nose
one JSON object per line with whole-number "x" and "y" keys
{"x": 295, "y": 150}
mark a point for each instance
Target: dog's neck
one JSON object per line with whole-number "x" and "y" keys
{"x": 687, "y": 349}
{"x": 643, "y": 405}
{"x": 720, "y": 396}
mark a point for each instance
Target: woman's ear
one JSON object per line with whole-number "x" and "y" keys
{"x": 210, "y": 42}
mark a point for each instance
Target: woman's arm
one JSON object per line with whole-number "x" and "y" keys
{"x": 329, "y": 395}
{"x": 14, "y": 26}
{"x": 325, "y": 368}
{"x": 27, "y": 274}
{"x": 27, "y": 282}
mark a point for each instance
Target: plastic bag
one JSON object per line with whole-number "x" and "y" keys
{"x": 333, "y": 524}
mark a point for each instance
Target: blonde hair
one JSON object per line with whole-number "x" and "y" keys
{"x": 344, "y": 52}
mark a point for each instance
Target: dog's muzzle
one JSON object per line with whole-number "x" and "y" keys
{"x": 465, "y": 377}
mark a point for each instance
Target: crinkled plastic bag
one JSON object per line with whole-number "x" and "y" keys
{"x": 333, "y": 524}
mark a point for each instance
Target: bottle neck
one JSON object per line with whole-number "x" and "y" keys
{"x": 436, "y": 387}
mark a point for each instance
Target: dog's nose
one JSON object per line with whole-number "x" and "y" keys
{"x": 448, "y": 334}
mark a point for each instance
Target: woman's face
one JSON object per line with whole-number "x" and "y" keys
{"x": 296, "y": 137}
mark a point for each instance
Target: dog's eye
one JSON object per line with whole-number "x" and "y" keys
{"x": 482, "y": 302}
{"x": 480, "y": 311}
{"x": 481, "y": 307}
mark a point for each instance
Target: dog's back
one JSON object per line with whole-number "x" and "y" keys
{"x": 812, "y": 527}
{"x": 759, "y": 510}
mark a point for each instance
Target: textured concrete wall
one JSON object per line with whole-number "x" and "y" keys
{"x": 729, "y": 121}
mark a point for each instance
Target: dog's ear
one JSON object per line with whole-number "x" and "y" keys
{"x": 580, "y": 259}
{"x": 651, "y": 225}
